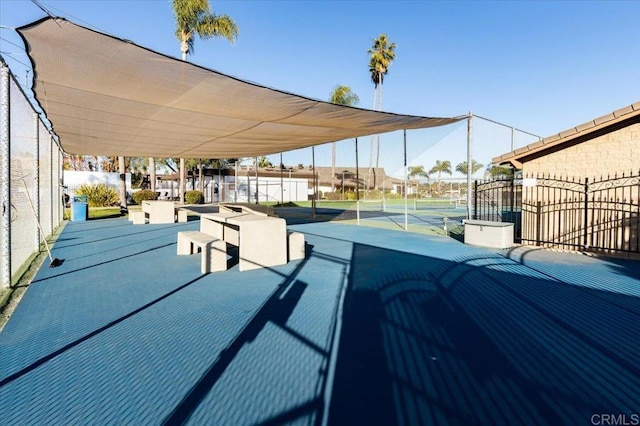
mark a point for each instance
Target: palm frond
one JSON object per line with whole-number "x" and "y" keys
{"x": 342, "y": 95}
{"x": 195, "y": 17}
{"x": 382, "y": 54}
{"x": 212, "y": 25}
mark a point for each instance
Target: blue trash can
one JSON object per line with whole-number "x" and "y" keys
{"x": 79, "y": 208}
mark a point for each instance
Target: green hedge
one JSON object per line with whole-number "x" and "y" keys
{"x": 194, "y": 197}
{"x": 143, "y": 195}
{"x": 99, "y": 195}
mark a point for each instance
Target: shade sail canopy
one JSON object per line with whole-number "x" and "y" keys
{"x": 108, "y": 96}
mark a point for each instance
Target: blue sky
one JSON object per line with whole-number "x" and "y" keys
{"x": 540, "y": 66}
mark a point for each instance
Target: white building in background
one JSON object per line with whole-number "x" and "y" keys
{"x": 243, "y": 190}
{"x": 272, "y": 186}
{"x": 274, "y": 189}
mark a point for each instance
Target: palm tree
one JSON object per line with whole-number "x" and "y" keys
{"x": 194, "y": 17}
{"x": 416, "y": 172}
{"x": 475, "y": 166}
{"x": 341, "y": 95}
{"x": 496, "y": 171}
{"x": 152, "y": 173}
{"x": 441, "y": 167}
{"x": 382, "y": 55}
{"x": 264, "y": 162}
{"x": 123, "y": 184}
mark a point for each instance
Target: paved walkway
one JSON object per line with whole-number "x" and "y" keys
{"x": 373, "y": 327}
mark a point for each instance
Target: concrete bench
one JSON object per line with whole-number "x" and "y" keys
{"x": 182, "y": 215}
{"x": 261, "y": 239}
{"x": 138, "y": 217}
{"x": 159, "y": 211}
{"x": 295, "y": 245}
{"x": 248, "y": 209}
{"x": 214, "y": 250}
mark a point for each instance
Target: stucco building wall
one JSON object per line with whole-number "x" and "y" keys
{"x": 615, "y": 152}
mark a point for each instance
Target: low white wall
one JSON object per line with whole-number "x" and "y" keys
{"x": 73, "y": 179}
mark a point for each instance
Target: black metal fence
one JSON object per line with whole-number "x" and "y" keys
{"x": 580, "y": 214}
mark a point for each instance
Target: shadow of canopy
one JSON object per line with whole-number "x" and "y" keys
{"x": 479, "y": 340}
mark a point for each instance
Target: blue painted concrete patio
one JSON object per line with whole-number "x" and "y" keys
{"x": 373, "y": 327}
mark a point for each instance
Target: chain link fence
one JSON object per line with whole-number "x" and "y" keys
{"x": 30, "y": 179}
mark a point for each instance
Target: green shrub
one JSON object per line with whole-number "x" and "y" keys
{"x": 373, "y": 194}
{"x": 350, "y": 195}
{"x": 99, "y": 195}
{"x": 194, "y": 197}
{"x": 142, "y": 195}
{"x": 333, "y": 195}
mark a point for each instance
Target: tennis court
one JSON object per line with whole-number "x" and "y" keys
{"x": 374, "y": 326}
{"x": 430, "y": 216}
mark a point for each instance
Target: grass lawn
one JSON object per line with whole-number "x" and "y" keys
{"x": 97, "y": 212}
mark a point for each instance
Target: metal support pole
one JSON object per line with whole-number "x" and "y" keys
{"x": 357, "y": 186}
{"x": 469, "y": 165}
{"x": 235, "y": 183}
{"x": 5, "y": 178}
{"x": 52, "y": 185}
{"x": 36, "y": 179}
{"x": 281, "y": 182}
{"x": 59, "y": 186}
{"x": 290, "y": 192}
{"x": 182, "y": 186}
{"x": 475, "y": 209}
{"x": 586, "y": 215}
{"x": 248, "y": 185}
{"x": 313, "y": 166}
{"x": 220, "y": 182}
{"x": 406, "y": 207}
{"x": 257, "y": 187}
{"x": 513, "y": 129}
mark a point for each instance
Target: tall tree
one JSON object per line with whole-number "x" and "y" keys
{"x": 441, "y": 167}
{"x": 152, "y": 173}
{"x": 475, "y": 166}
{"x": 341, "y": 95}
{"x": 382, "y": 55}
{"x": 194, "y": 17}
{"x": 496, "y": 171}
{"x": 109, "y": 164}
{"x": 123, "y": 184}
{"x": 416, "y": 172}
{"x": 264, "y": 162}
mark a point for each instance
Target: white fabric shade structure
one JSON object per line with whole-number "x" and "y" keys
{"x": 108, "y": 96}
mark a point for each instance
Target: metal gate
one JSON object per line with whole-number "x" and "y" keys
{"x": 600, "y": 215}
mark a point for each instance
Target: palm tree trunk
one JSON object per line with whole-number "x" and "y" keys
{"x": 379, "y": 109}
{"x": 184, "y": 48}
{"x": 123, "y": 184}
{"x": 200, "y": 176}
{"x": 152, "y": 173}
{"x": 371, "y": 147}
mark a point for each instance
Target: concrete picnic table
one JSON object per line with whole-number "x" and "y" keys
{"x": 261, "y": 240}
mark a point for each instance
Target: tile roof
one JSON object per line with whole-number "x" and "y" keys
{"x": 520, "y": 155}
